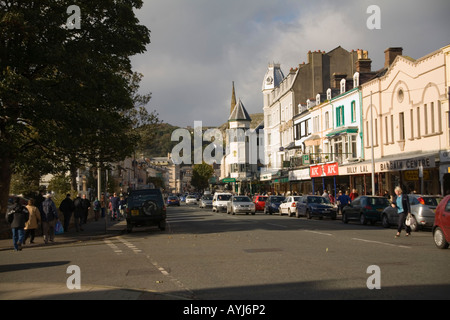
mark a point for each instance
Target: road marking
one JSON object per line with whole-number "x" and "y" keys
{"x": 384, "y": 243}
{"x": 277, "y": 225}
{"x": 317, "y": 232}
{"x": 130, "y": 245}
{"x": 113, "y": 246}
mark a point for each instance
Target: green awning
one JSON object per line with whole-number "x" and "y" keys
{"x": 340, "y": 131}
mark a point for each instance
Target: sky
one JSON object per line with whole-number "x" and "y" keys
{"x": 199, "y": 47}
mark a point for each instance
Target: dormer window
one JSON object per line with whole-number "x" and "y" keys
{"x": 317, "y": 99}
{"x": 356, "y": 80}
{"x": 343, "y": 82}
{"x": 329, "y": 94}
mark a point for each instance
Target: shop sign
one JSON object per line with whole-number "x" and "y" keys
{"x": 406, "y": 164}
{"x": 266, "y": 177}
{"x": 327, "y": 170}
{"x": 298, "y": 175}
{"x": 356, "y": 169}
{"x": 413, "y": 175}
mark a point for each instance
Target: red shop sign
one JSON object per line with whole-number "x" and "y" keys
{"x": 328, "y": 170}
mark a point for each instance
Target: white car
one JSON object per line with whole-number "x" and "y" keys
{"x": 289, "y": 206}
{"x": 191, "y": 199}
{"x": 220, "y": 201}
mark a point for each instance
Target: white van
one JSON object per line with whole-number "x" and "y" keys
{"x": 220, "y": 201}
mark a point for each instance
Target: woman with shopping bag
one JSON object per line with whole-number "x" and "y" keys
{"x": 401, "y": 203}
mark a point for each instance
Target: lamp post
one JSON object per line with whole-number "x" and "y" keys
{"x": 372, "y": 144}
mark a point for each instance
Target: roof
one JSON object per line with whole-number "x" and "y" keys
{"x": 239, "y": 113}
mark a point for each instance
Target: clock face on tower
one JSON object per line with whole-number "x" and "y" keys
{"x": 269, "y": 80}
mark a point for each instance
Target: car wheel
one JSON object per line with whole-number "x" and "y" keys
{"x": 308, "y": 214}
{"x": 414, "y": 225}
{"x": 439, "y": 239}
{"x": 385, "y": 221}
{"x": 297, "y": 215}
{"x": 362, "y": 219}
{"x": 162, "y": 225}
{"x": 289, "y": 213}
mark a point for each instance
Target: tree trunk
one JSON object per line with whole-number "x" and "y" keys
{"x": 73, "y": 178}
{"x": 5, "y": 182}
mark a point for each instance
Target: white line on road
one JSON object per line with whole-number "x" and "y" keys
{"x": 277, "y": 225}
{"x": 384, "y": 243}
{"x": 317, "y": 232}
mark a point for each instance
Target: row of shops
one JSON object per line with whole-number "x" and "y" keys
{"x": 425, "y": 174}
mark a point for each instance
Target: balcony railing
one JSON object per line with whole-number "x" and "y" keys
{"x": 316, "y": 158}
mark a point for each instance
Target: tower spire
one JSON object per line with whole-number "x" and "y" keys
{"x": 233, "y": 99}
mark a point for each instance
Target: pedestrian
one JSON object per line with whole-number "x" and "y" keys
{"x": 67, "y": 207}
{"x": 325, "y": 195}
{"x": 49, "y": 217}
{"x": 387, "y": 195}
{"x": 354, "y": 194}
{"x": 78, "y": 213}
{"x": 401, "y": 203}
{"x": 115, "y": 201}
{"x": 343, "y": 200}
{"x": 103, "y": 205}
{"x": 86, "y": 206}
{"x": 33, "y": 221}
{"x": 122, "y": 205}
{"x": 97, "y": 209}
{"x": 17, "y": 217}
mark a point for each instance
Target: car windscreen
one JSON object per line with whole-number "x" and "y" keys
{"x": 241, "y": 199}
{"x": 318, "y": 200}
{"x": 136, "y": 200}
{"x": 207, "y": 197}
{"x": 224, "y": 197}
{"x": 431, "y": 201}
{"x": 277, "y": 199}
{"x": 379, "y": 202}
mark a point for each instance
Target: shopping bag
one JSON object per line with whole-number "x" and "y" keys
{"x": 59, "y": 229}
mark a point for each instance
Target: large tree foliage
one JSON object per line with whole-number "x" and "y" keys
{"x": 66, "y": 95}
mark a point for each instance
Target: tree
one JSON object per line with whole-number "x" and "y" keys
{"x": 60, "y": 86}
{"x": 201, "y": 173}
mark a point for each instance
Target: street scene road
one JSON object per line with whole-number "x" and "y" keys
{"x": 215, "y": 256}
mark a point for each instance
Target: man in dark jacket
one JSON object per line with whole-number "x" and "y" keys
{"x": 49, "y": 217}
{"x": 78, "y": 212}
{"x": 17, "y": 217}
{"x": 67, "y": 207}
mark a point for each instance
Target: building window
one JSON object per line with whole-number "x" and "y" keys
{"x": 432, "y": 117}
{"x": 340, "y": 116}
{"x": 418, "y": 122}
{"x": 411, "y": 113}
{"x": 342, "y": 86}
{"x": 401, "y": 125}
{"x": 353, "y": 111}
{"x": 327, "y": 120}
{"x": 356, "y": 80}
{"x": 386, "y": 130}
{"x": 425, "y": 111}
{"x": 392, "y": 128}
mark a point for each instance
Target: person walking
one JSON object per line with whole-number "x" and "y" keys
{"x": 86, "y": 206}
{"x": 401, "y": 203}
{"x": 67, "y": 207}
{"x": 49, "y": 217}
{"x": 78, "y": 212}
{"x": 17, "y": 217}
{"x": 115, "y": 207}
{"x": 33, "y": 222}
{"x": 97, "y": 209}
{"x": 343, "y": 200}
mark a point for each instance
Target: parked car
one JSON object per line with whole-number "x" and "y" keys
{"x": 289, "y": 206}
{"x": 145, "y": 207}
{"x": 240, "y": 204}
{"x": 272, "y": 204}
{"x": 206, "y": 201}
{"x": 220, "y": 201}
{"x": 423, "y": 208}
{"x": 310, "y": 206}
{"x": 365, "y": 209}
{"x": 191, "y": 199}
{"x": 441, "y": 226}
{"x": 173, "y": 201}
{"x": 260, "y": 202}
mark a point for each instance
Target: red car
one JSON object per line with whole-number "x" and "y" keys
{"x": 260, "y": 202}
{"x": 441, "y": 227}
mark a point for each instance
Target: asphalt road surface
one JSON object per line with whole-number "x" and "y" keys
{"x": 211, "y": 256}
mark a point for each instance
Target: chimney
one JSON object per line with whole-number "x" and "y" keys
{"x": 363, "y": 64}
{"x": 337, "y": 77}
{"x": 390, "y": 54}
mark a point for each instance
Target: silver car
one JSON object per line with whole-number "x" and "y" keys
{"x": 206, "y": 201}
{"x": 423, "y": 208}
{"x": 240, "y": 204}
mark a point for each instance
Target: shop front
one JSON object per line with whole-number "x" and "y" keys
{"x": 324, "y": 177}
{"x": 300, "y": 181}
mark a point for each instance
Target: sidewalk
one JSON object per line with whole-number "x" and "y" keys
{"x": 92, "y": 230}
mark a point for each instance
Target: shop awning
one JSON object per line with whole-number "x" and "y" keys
{"x": 313, "y": 140}
{"x": 341, "y": 131}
